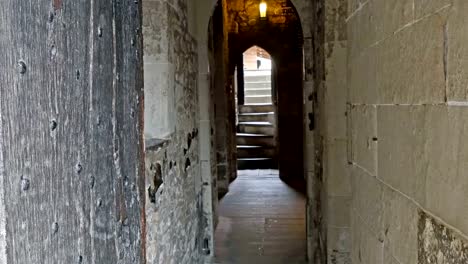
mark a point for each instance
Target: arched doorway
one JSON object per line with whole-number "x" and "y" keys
{"x": 255, "y": 110}
{"x": 280, "y": 33}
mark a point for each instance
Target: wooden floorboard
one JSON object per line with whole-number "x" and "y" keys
{"x": 262, "y": 220}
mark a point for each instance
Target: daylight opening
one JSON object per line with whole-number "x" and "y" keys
{"x": 257, "y": 76}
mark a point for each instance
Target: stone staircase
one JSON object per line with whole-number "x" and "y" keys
{"x": 256, "y": 147}
{"x": 257, "y": 87}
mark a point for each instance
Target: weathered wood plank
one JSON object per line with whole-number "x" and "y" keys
{"x": 71, "y": 132}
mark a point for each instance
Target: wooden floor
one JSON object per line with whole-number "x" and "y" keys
{"x": 262, "y": 220}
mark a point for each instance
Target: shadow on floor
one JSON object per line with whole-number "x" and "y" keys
{"x": 261, "y": 220}
{"x": 298, "y": 184}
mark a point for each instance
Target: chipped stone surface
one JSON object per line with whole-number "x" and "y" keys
{"x": 363, "y": 137}
{"x": 400, "y": 221}
{"x": 222, "y": 102}
{"x": 337, "y": 169}
{"x": 367, "y": 247}
{"x": 155, "y": 31}
{"x": 457, "y": 52}
{"x": 177, "y": 223}
{"x": 336, "y": 90}
{"x": 304, "y": 9}
{"x": 390, "y": 16}
{"x": 316, "y": 195}
{"x": 367, "y": 199}
{"x": 426, "y": 7}
{"x": 335, "y": 20}
{"x": 339, "y": 245}
{"x": 401, "y": 149}
{"x": 438, "y": 244}
{"x": 403, "y": 75}
{"x": 330, "y": 55}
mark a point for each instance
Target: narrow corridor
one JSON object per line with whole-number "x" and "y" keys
{"x": 262, "y": 220}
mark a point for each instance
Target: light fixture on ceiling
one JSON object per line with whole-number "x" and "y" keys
{"x": 263, "y": 9}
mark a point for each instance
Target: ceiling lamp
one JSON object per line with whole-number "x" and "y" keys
{"x": 263, "y": 9}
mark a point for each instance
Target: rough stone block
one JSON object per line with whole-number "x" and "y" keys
{"x": 160, "y": 104}
{"x": 335, "y": 24}
{"x": 401, "y": 150}
{"x": 309, "y": 164}
{"x": 356, "y": 226}
{"x": 223, "y": 179}
{"x": 338, "y": 169}
{"x": 422, "y": 153}
{"x": 427, "y": 7}
{"x": 362, "y": 76}
{"x": 308, "y": 62}
{"x": 410, "y": 66}
{"x": 336, "y": 93}
{"x": 439, "y": 244}
{"x": 339, "y": 245}
{"x": 353, "y": 5}
{"x": 400, "y": 227}
{"x": 364, "y": 137}
{"x": 338, "y": 211}
{"x": 367, "y": 201}
{"x": 303, "y": 8}
{"x": 192, "y": 17}
{"x": 447, "y": 164}
{"x": 371, "y": 248}
{"x": 156, "y": 38}
{"x": 366, "y": 246}
{"x": 309, "y": 185}
{"x": 362, "y": 30}
{"x": 204, "y": 96}
{"x": 388, "y": 258}
{"x": 353, "y": 36}
{"x": 457, "y": 57}
{"x": 308, "y": 109}
{"x": 391, "y": 16}
{"x": 205, "y": 140}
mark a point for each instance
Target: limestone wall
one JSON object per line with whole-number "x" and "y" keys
{"x": 329, "y": 184}
{"x": 333, "y": 134}
{"x": 222, "y": 100}
{"x": 408, "y": 127}
{"x": 178, "y": 224}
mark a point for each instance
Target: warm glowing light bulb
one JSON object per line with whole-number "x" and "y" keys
{"x": 263, "y": 9}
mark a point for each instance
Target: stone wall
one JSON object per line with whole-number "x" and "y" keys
{"x": 221, "y": 101}
{"x": 407, "y": 120}
{"x": 178, "y": 223}
{"x": 329, "y": 185}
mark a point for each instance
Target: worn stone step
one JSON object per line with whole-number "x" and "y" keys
{"x": 257, "y": 78}
{"x": 255, "y": 139}
{"x": 256, "y": 163}
{"x": 248, "y": 151}
{"x": 256, "y": 108}
{"x": 257, "y": 85}
{"x": 258, "y": 91}
{"x": 258, "y": 99}
{"x": 257, "y": 117}
{"x": 265, "y": 128}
